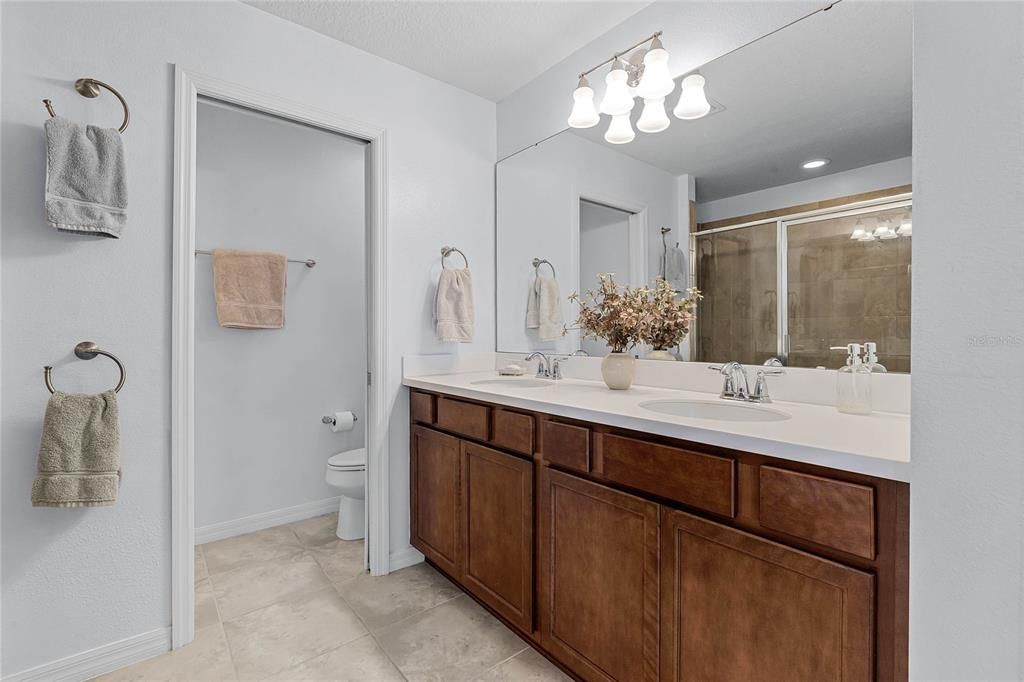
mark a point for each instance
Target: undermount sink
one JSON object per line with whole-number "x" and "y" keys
{"x": 515, "y": 382}
{"x": 719, "y": 411}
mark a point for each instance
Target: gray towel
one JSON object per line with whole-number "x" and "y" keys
{"x": 85, "y": 178}
{"x": 80, "y": 452}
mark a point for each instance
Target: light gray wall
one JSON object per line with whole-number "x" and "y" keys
{"x": 967, "y": 491}
{"x": 77, "y": 579}
{"x": 856, "y": 181}
{"x": 695, "y": 33}
{"x": 265, "y": 184}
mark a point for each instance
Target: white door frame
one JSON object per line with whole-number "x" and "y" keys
{"x": 189, "y": 85}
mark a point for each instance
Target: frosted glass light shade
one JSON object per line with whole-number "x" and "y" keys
{"x": 620, "y": 130}
{"x": 906, "y": 228}
{"x": 693, "y": 103}
{"x": 617, "y": 99}
{"x": 657, "y": 80}
{"x": 584, "y": 114}
{"x": 653, "y": 119}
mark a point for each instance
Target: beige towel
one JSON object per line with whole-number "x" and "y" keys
{"x": 453, "y": 306}
{"x": 79, "y": 453}
{"x": 249, "y": 288}
{"x": 544, "y": 309}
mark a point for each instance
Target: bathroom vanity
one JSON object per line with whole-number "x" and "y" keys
{"x": 623, "y": 554}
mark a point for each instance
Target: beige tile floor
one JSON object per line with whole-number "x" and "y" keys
{"x": 293, "y": 603}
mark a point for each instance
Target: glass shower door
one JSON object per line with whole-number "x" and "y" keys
{"x": 848, "y": 281}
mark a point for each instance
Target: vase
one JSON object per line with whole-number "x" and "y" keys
{"x": 660, "y": 354}
{"x": 618, "y": 370}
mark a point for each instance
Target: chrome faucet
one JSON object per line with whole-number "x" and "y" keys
{"x": 737, "y": 386}
{"x": 543, "y": 365}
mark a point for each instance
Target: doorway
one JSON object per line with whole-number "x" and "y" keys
{"x": 200, "y": 95}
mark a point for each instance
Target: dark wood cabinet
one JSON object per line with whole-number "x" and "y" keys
{"x": 435, "y": 491}
{"x": 598, "y": 570}
{"x": 497, "y": 526}
{"x": 626, "y": 556}
{"x": 739, "y": 607}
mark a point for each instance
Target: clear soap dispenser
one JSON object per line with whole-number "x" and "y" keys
{"x": 853, "y": 383}
{"x": 871, "y": 358}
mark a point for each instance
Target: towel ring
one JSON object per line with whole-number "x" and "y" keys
{"x": 86, "y": 350}
{"x": 90, "y": 87}
{"x": 537, "y": 262}
{"x": 448, "y": 250}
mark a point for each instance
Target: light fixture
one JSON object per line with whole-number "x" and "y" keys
{"x": 617, "y": 99}
{"x": 858, "y": 230}
{"x": 656, "y": 81}
{"x": 906, "y": 228}
{"x": 620, "y": 130}
{"x": 693, "y": 103}
{"x": 583, "y": 115}
{"x": 883, "y": 231}
{"x": 653, "y": 119}
{"x": 815, "y": 163}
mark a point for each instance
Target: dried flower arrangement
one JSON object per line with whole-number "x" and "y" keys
{"x": 624, "y": 317}
{"x": 668, "y": 319}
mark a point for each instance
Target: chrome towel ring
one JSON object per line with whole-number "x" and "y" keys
{"x": 87, "y": 350}
{"x": 448, "y": 250}
{"x": 90, "y": 87}
{"x": 537, "y": 262}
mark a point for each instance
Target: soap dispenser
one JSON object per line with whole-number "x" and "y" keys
{"x": 853, "y": 383}
{"x": 871, "y": 358}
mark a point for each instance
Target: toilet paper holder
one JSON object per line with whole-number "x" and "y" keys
{"x": 328, "y": 419}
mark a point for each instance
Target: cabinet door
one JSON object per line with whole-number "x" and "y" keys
{"x": 598, "y": 574}
{"x": 738, "y": 607}
{"x": 497, "y": 527}
{"x": 434, "y": 497}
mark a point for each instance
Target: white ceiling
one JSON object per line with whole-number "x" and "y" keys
{"x": 835, "y": 85}
{"x": 488, "y": 48}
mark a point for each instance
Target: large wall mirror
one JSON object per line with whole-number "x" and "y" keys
{"x": 793, "y": 257}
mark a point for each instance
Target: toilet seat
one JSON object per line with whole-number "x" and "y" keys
{"x": 350, "y": 460}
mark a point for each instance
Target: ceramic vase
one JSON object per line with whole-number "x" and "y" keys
{"x": 660, "y": 354}
{"x": 618, "y": 370}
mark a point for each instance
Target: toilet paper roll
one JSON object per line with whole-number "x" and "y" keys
{"x": 343, "y": 421}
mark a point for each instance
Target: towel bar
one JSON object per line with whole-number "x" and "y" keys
{"x": 537, "y": 262}
{"x": 90, "y": 87}
{"x": 87, "y": 350}
{"x": 448, "y": 250}
{"x": 308, "y": 262}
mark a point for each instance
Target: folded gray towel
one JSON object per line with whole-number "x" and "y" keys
{"x": 85, "y": 178}
{"x": 80, "y": 452}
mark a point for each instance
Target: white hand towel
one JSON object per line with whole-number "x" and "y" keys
{"x": 544, "y": 308}
{"x": 453, "y": 306}
{"x": 675, "y": 267}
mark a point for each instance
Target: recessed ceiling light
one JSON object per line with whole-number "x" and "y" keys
{"x": 815, "y": 163}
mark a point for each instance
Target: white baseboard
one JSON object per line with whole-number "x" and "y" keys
{"x": 277, "y": 517}
{"x": 102, "y": 659}
{"x": 404, "y": 557}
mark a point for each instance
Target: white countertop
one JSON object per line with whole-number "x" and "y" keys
{"x": 876, "y": 444}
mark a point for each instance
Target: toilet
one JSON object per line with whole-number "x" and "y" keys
{"x": 346, "y": 472}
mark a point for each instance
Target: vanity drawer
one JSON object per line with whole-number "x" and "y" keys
{"x": 459, "y": 416}
{"x": 513, "y": 431}
{"x": 701, "y": 481}
{"x": 422, "y": 407}
{"x": 566, "y": 445}
{"x": 836, "y": 514}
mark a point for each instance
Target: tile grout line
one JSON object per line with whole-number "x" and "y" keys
{"x": 369, "y": 631}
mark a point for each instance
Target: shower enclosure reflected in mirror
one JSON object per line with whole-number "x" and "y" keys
{"x": 792, "y": 257}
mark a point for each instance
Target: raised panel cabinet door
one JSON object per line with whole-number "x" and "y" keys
{"x": 598, "y": 578}
{"x": 738, "y": 607}
{"x": 435, "y": 491}
{"x": 497, "y": 527}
